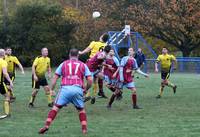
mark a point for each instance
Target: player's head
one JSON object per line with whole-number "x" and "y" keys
{"x": 104, "y": 37}
{"x": 107, "y": 49}
{"x": 112, "y": 52}
{"x": 164, "y": 50}
{"x": 73, "y": 53}
{"x": 8, "y": 51}
{"x": 139, "y": 50}
{"x": 44, "y": 52}
{"x": 131, "y": 52}
{"x": 2, "y": 53}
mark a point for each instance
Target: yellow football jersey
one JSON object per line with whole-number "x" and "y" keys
{"x": 11, "y": 61}
{"x": 165, "y": 61}
{"x": 96, "y": 46}
{"x": 3, "y": 64}
{"x": 41, "y": 65}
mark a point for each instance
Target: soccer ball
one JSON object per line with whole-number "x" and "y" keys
{"x": 96, "y": 14}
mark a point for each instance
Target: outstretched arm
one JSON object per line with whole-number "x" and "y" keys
{"x": 5, "y": 73}
{"x": 174, "y": 62}
{"x": 53, "y": 81}
{"x": 16, "y": 61}
{"x": 156, "y": 67}
{"x": 141, "y": 72}
{"x": 87, "y": 50}
{"x": 49, "y": 72}
{"x": 33, "y": 73}
{"x": 21, "y": 68}
{"x": 116, "y": 72}
{"x": 89, "y": 84}
{"x": 156, "y": 63}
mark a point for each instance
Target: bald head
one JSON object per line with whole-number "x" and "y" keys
{"x": 44, "y": 52}
{"x": 2, "y": 53}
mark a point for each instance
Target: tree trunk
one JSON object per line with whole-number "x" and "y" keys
{"x": 15, "y": 3}
{"x": 186, "y": 52}
{"x": 5, "y": 15}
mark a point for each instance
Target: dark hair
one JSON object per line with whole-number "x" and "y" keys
{"x": 7, "y": 48}
{"x": 44, "y": 48}
{"x": 105, "y": 37}
{"x": 107, "y": 48}
{"x": 73, "y": 52}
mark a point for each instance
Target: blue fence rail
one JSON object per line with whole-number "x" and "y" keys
{"x": 184, "y": 64}
{"x": 119, "y": 40}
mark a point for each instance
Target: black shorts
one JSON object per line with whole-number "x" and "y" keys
{"x": 40, "y": 82}
{"x": 3, "y": 88}
{"x": 12, "y": 77}
{"x": 165, "y": 75}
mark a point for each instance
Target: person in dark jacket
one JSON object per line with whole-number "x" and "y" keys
{"x": 140, "y": 58}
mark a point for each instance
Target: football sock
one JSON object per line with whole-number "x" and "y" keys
{"x": 112, "y": 89}
{"x": 95, "y": 89}
{"x": 51, "y": 116}
{"x": 7, "y": 107}
{"x": 49, "y": 98}
{"x": 161, "y": 90}
{"x": 88, "y": 94}
{"x": 12, "y": 94}
{"x": 32, "y": 99}
{"x": 112, "y": 98}
{"x": 170, "y": 84}
{"x": 134, "y": 99}
{"x": 100, "y": 83}
{"x": 83, "y": 121}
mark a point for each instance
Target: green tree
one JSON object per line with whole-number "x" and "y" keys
{"x": 175, "y": 22}
{"x": 37, "y": 24}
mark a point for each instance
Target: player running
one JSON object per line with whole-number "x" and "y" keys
{"x": 95, "y": 64}
{"x": 39, "y": 68}
{"x": 166, "y": 61}
{"x": 72, "y": 72}
{"x": 3, "y": 87}
{"x": 127, "y": 65}
{"x": 93, "y": 48}
{"x": 12, "y": 61}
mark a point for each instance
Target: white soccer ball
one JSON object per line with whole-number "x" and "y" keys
{"x": 96, "y": 14}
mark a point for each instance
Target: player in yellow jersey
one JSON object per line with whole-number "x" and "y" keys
{"x": 165, "y": 61}
{"x": 12, "y": 61}
{"x": 40, "y": 66}
{"x": 93, "y": 48}
{"x": 3, "y": 88}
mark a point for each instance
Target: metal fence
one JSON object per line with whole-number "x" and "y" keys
{"x": 184, "y": 64}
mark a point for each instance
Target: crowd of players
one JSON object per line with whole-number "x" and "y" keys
{"x": 101, "y": 66}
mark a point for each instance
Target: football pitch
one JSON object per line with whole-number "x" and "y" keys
{"x": 171, "y": 116}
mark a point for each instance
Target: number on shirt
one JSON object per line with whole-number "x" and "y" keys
{"x": 76, "y": 69}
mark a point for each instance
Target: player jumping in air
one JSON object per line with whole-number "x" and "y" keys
{"x": 72, "y": 72}
{"x": 93, "y": 48}
{"x": 166, "y": 61}
{"x": 127, "y": 65}
{"x": 3, "y": 87}
{"x": 95, "y": 65}
{"x": 39, "y": 68}
{"x": 12, "y": 61}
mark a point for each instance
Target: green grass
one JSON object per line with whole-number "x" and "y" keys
{"x": 172, "y": 116}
